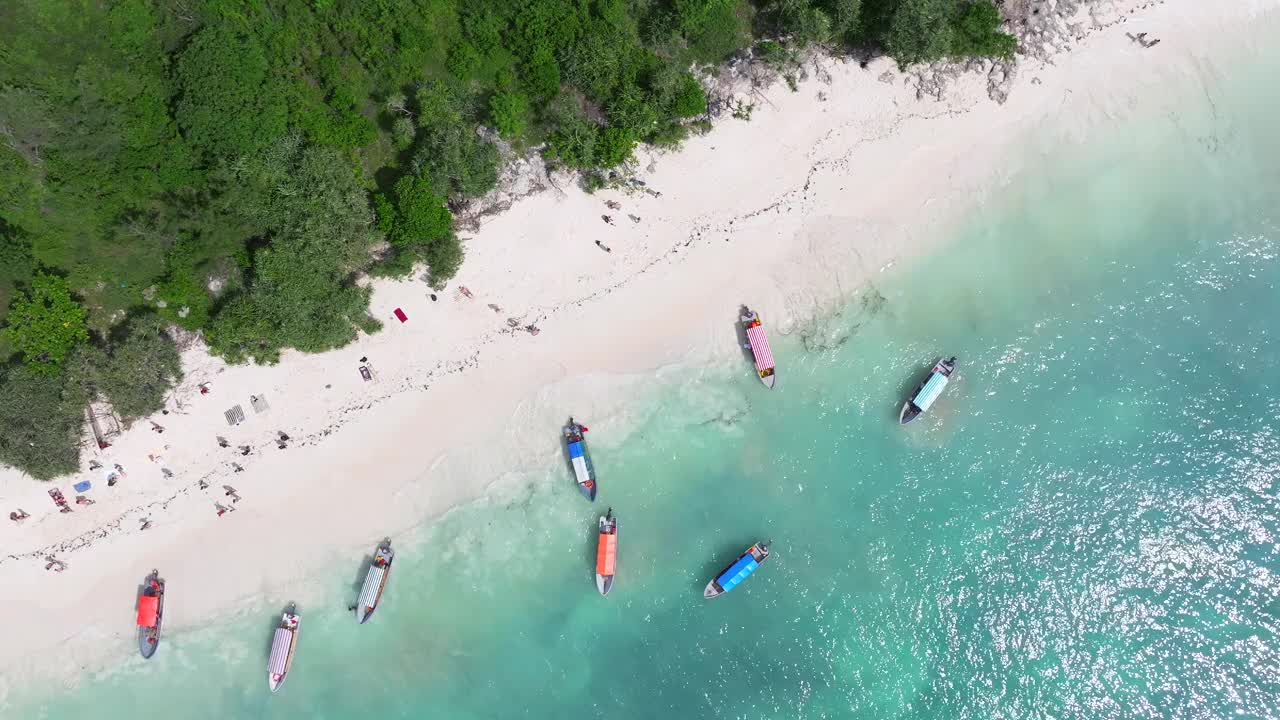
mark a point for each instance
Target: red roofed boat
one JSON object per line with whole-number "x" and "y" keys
{"x": 606, "y": 552}
{"x": 759, "y": 346}
{"x": 150, "y": 614}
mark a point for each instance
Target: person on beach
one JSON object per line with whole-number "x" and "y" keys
{"x": 236, "y": 467}
{"x": 19, "y": 516}
{"x": 222, "y": 509}
{"x": 245, "y": 449}
{"x": 604, "y": 247}
{"x": 607, "y": 219}
{"x": 204, "y": 388}
{"x": 203, "y": 485}
{"x": 94, "y": 464}
{"x": 156, "y": 427}
{"x": 146, "y": 524}
{"x": 222, "y": 442}
{"x": 82, "y": 500}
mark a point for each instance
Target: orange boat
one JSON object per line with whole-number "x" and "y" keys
{"x": 150, "y": 614}
{"x": 606, "y": 552}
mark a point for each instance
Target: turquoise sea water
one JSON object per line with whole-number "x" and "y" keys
{"x": 1085, "y": 526}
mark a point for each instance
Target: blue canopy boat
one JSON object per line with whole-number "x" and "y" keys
{"x": 928, "y": 392}
{"x": 583, "y": 471}
{"x": 740, "y": 570}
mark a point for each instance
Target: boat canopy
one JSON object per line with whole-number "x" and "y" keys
{"x": 575, "y": 449}
{"x": 148, "y": 610}
{"x": 931, "y": 390}
{"x": 372, "y": 582}
{"x": 760, "y": 347}
{"x": 280, "y": 651}
{"x": 737, "y": 572}
{"x": 606, "y": 554}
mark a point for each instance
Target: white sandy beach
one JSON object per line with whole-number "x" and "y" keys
{"x": 793, "y": 212}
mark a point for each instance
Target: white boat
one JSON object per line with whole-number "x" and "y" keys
{"x": 282, "y": 647}
{"x": 375, "y": 582}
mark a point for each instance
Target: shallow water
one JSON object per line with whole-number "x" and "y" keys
{"x": 1083, "y": 526}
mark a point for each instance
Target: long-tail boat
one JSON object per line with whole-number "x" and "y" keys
{"x": 739, "y": 570}
{"x": 150, "y": 614}
{"x": 375, "y": 582}
{"x": 606, "y": 552}
{"x": 758, "y": 343}
{"x": 928, "y": 391}
{"x": 583, "y": 471}
{"x": 283, "y": 644}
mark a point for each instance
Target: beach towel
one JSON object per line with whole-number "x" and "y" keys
{"x": 400, "y": 315}
{"x": 82, "y": 486}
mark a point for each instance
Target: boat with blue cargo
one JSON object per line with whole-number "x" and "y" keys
{"x": 375, "y": 582}
{"x": 583, "y": 471}
{"x": 283, "y": 644}
{"x": 740, "y": 570}
{"x": 758, "y": 344}
{"x": 928, "y": 391}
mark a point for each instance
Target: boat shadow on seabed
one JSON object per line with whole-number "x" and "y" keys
{"x": 740, "y": 332}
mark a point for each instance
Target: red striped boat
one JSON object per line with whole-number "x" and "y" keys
{"x": 758, "y": 343}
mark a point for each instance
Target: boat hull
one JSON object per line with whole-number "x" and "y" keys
{"x": 374, "y": 583}
{"x": 760, "y": 552}
{"x": 606, "y": 552}
{"x": 280, "y": 662}
{"x": 149, "y": 637}
{"x": 911, "y": 411}
{"x": 584, "y": 472}
{"x": 769, "y": 380}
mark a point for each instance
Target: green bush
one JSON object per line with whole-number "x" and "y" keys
{"x": 228, "y": 104}
{"x": 140, "y": 367}
{"x": 42, "y": 423}
{"x": 509, "y": 112}
{"x": 977, "y": 33}
{"x": 614, "y": 146}
{"x": 689, "y": 99}
{"x": 414, "y": 215}
{"x": 46, "y": 323}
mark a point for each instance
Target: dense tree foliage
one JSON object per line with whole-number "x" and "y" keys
{"x": 46, "y": 324}
{"x": 137, "y": 369}
{"x": 42, "y": 425}
{"x": 235, "y": 167}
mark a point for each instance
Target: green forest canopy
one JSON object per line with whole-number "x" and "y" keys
{"x": 178, "y": 162}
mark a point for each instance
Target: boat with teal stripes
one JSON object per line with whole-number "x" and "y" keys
{"x": 928, "y": 391}
{"x": 740, "y": 570}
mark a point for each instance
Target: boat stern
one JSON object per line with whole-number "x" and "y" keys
{"x": 909, "y": 413}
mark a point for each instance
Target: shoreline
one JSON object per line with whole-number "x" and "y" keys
{"x": 906, "y": 168}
